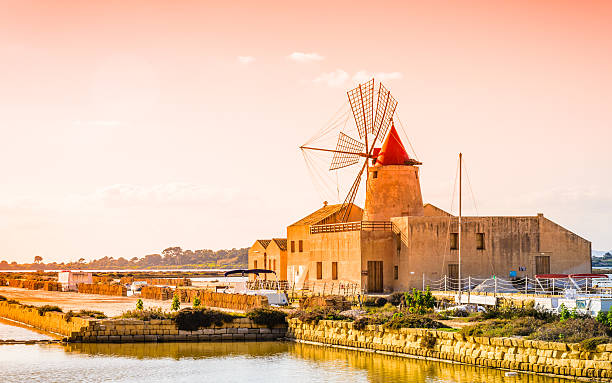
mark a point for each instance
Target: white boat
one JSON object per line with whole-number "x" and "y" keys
{"x": 276, "y": 297}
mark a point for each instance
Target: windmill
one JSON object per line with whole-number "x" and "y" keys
{"x": 372, "y": 123}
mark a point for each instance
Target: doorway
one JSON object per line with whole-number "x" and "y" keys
{"x": 375, "y": 276}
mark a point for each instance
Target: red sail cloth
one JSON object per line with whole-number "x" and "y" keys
{"x": 392, "y": 151}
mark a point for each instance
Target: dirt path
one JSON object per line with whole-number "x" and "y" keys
{"x": 110, "y": 305}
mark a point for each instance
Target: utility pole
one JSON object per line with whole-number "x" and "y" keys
{"x": 459, "y": 234}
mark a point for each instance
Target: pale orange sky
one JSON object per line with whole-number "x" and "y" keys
{"x": 128, "y": 127}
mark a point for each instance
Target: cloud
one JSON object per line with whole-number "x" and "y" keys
{"x": 302, "y": 57}
{"x": 339, "y": 77}
{"x": 246, "y": 59}
{"x": 334, "y": 79}
{"x": 363, "y": 76}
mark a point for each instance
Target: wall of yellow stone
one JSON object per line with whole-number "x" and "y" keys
{"x": 508, "y": 353}
{"x": 53, "y": 322}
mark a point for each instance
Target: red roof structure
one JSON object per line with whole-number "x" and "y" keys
{"x": 393, "y": 151}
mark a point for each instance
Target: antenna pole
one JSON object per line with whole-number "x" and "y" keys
{"x": 460, "y": 174}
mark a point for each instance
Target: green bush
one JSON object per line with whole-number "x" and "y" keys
{"x": 602, "y": 317}
{"x": 571, "y": 330}
{"x": 176, "y": 303}
{"x": 147, "y": 314}
{"x": 84, "y": 314}
{"x": 139, "y": 304}
{"x": 419, "y": 302}
{"x": 396, "y": 299}
{"x": 2, "y": 298}
{"x": 374, "y": 302}
{"x": 197, "y": 302}
{"x": 316, "y": 314}
{"x": 191, "y": 319}
{"x": 47, "y": 308}
{"x": 591, "y": 344}
{"x": 267, "y": 317}
{"x": 564, "y": 313}
{"x": 504, "y": 327}
{"x": 609, "y": 317}
{"x": 410, "y": 320}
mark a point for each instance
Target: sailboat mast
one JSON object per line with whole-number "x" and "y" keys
{"x": 459, "y": 234}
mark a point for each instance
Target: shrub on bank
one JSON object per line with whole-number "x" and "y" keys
{"x": 573, "y": 330}
{"x": 48, "y": 308}
{"x": 84, "y": 314}
{"x": 316, "y": 314}
{"x": 147, "y": 314}
{"x": 409, "y": 320}
{"x": 191, "y": 319}
{"x": 267, "y": 317}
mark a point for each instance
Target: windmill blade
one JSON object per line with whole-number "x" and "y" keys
{"x": 362, "y": 105}
{"x": 347, "y": 152}
{"x": 385, "y": 108}
{"x": 347, "y": 205}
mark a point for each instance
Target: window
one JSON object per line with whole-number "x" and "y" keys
{"x": 319, "y": 270}
{"x": 375, "y": 174}
{"x": 334, "y": 270}
{"x": 254, "y": 264}
{"x": 265, "y": 260}
{"x": 293, "y": 246}
{"x": 274, "y": 265}
{"x": 395, "y": 272}
{"x": 301, "y": 243}
{"x": 480, "y": 241}
{"x": 454, "y": 241}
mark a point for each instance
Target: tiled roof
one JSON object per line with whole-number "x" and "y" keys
{"x": 281, "y": 243}
{"x": 319, "y": 215}
{"x": 264, "y": 242}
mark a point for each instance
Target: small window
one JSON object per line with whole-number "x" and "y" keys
{"x": 334, "y": 270}
{"x": 375, "y": 174}
{"x": 301, "y": 245}
{"x": 293, "y": 246}
{"x": 265, "y": 260}
{"x": 396, "y": 272}
{"x": 480, "y": 241}
{"x": 454, "y": 241}
{"x": 274, "y": 265}
{"x": 319, "y": 270}
{"x": 254, "y": 264}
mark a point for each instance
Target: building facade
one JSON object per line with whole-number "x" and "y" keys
{"x": 396, "y": 242}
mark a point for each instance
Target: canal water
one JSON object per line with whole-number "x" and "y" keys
{"x": 228, "y": 362}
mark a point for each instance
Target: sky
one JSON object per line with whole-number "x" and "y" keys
{"x": 130, "y": 126}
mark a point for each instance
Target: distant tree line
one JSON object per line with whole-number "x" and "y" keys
{"x": 604, "y": 262}
{"x": 172, "y": 257}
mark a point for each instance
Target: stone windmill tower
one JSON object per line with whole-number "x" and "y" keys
{"x": 392, "y": 176}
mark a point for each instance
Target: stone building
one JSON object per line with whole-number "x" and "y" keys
{"x": 395, "y": 241}
{"x": 270, "y": 254}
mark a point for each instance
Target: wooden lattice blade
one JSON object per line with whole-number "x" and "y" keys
{"x": 347, "y": 152}
{"x": 361, "y": 100}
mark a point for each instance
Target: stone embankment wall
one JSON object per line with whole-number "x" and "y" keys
{"x": 208, "y": 298}
{"x": 165, "y": 330}
{"x": 158, "y": 281}
{"x": 508, "y": 353}
{"x": 53, "y": 322}
{"x": 32, "y": 284}
{"x": 102, "y": 289}
{"x": 131, "y": 330}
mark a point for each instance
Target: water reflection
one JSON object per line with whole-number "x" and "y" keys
{"x": 309, "y": 363}
{"x": 180, "y": 350}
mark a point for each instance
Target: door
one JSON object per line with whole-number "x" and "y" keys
{"x": 375, "y": 277}
{"x": 542, "y": 264}
{"x": 453, "y": 276}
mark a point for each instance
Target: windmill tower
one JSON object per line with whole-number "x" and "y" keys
{"x": 392, "y": 185}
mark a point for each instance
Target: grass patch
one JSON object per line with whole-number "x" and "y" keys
{"x": 84, "y": 314}
{"x": 592, "y": 343}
